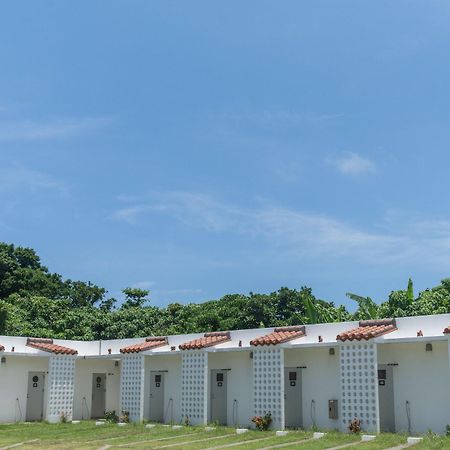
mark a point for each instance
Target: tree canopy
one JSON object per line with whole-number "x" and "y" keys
{"x": 36, "y": 302}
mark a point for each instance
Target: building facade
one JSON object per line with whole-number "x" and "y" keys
{"x": 392, "y": 374}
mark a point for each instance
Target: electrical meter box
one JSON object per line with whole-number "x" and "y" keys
{"x": 333, "y": 409}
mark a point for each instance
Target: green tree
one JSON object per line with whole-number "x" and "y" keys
{"x": 135, "y": 297}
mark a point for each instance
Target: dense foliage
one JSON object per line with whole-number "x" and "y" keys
{"x": 35, "y": 302}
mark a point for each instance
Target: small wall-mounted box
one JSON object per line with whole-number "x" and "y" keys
{"x": 333, "y": 409}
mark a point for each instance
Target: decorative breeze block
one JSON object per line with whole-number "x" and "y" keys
{"x": 359, "y": 385}
{"x": 132, "y": 386}
{"x": 61, "y": 376}
{"x": 268, "y": 384}
{"x": 194, "y": 385}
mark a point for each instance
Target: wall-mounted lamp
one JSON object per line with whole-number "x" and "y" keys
{"x": 428, "y": 347}
{"x": 13, "y": 348}
{"x": 3, "y": 360}
{"x": 320, "y": 339}
{"x": 109, "y": 351}
{"x": 331, "y": 351}
{"x": 240, "y": 344}
{"x": 419, "y": 333}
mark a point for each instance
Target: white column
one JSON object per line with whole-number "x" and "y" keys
{"x": 132, "y": 375}
{"x": 61, "y": 377}
{"x": 359, "y": 385}
{"x": 194, "y": 386}
{"x": 268, "y": 384}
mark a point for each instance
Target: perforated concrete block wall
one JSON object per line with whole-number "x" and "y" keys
{"x": 359, "y": 385}
{"x": 61, "y": 377}
{"x": 268, "y": 384}
{"x": 132, "y": 386}
{"x": 194, "y": 370}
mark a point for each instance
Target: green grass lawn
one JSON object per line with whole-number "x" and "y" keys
{"x": 87, "y": 436}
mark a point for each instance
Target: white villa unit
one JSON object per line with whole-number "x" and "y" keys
{"x": 394, "y": 375}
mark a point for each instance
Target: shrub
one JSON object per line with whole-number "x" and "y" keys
{"x": 111, "y": 416}
{"x": 262, "y": 423}
{"x": 124, "y": 417}
{"x": 355, "y": 426}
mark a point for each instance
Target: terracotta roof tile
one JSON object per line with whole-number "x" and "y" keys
{"x": 47, "y": 345}
{"x": 280, "y": 335}
{"x": 208, "y": 340}
{"x": 148, "y": 344}
{"x": 447, "y": 330}
{"x": 2, "y": 348}
{"x": 368, "y": 329}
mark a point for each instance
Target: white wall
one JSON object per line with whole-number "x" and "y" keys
{"x": 422, "y": 378}
{"x": 14, "y": 385}
{"x": 239, "y": 384}
{"x": 84, "y": 368}
{"x": 320, "y": 382}
{"x": 171, "y": 365}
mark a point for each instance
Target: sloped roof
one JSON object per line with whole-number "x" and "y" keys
{"x": 47, "y": 345}
{"x": 280, "y": 335}
{"x": 447, "y": 330}
{"x": 208, "y": 340}
{"x": 368, "y": 329}
{"x": 148, "y": 344}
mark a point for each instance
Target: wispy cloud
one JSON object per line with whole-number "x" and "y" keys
{"x": 19, "y": 177}
{"x": 299, "y": 234}
{"x": 29, "y": 130}
{"x": 352, "y": 164}
{"x": 143, "y": 284}
{"x": 279, "y": 117}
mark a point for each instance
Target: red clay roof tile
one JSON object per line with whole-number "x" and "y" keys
{"x": 150, "y": 343}
{"x": 447, "y": 330}
{"x": 47, "y": 345}
{"x": 208, "y": 340}
{"x": 368, "y": 329}
{"x": 2, "y": 348}
{"x": 280, "y": 335}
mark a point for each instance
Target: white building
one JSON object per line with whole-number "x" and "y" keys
{"x": 394, "y": 375}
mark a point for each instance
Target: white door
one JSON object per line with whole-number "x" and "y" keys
{"x": 157, "y": 396}
{"x": 293, "y": 413}
{"x": 219, "y": 396}
{"x": 386, "y": 397}
{"x": 98, "y": 395}
{"x": 35, "y": 396}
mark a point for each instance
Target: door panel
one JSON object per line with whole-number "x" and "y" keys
{"x": 98, "y": 395}
{"x": 35, "y": 396}
{"x": 293, "y": 397}
{"x": 219, "y": 396}
{"x": 386, "y": 397}
{"x": 157, "y": 396}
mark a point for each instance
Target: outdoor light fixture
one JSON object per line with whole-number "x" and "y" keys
{"x": 428, "y": 347}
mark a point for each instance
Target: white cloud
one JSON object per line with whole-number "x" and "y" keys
{"x": 18, "y": 177}
{"x": 143, "y": 284}
{"x": 352, "y": 164}
{"x": 299, "y": 234}
{"x": 28, "y": 130}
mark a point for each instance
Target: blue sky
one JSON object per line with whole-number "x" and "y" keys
{"x": 204, "y": 148}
